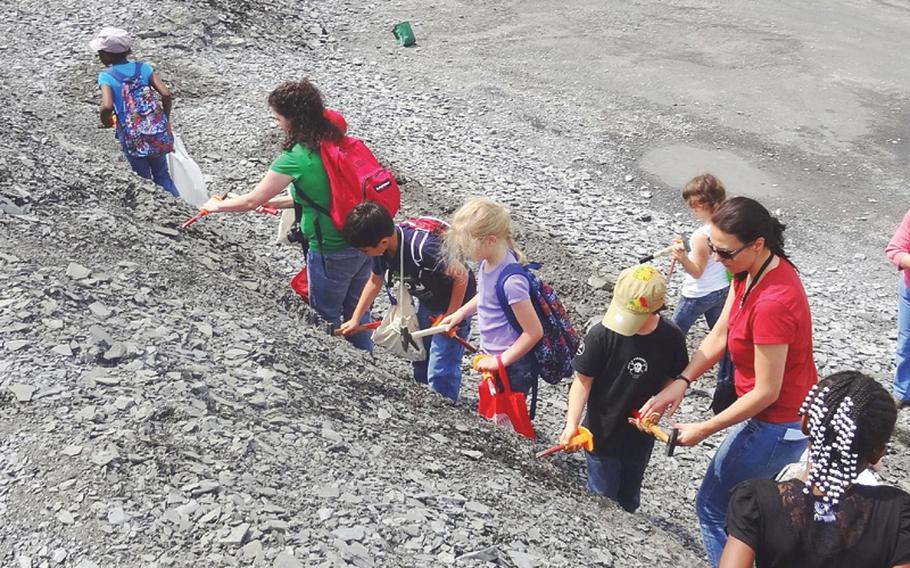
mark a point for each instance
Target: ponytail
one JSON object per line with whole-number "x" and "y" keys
{"x": 775, "y": 238}
{"x": 748, "y": 220}
{"x": 519, "y": 254}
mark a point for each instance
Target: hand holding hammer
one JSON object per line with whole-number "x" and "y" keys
{"x": 680, "y": 250}
{"x": 665, "y": 251}
{"x": 332, "y": 329}
{"x": 450, "y": 333}
{"x": 646, "y": 425}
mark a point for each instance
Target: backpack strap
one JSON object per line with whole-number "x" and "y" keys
{"x": 298, "y": 217}
{"x": 388, "y": 280}
{"x": 118, "y": 76}
{"x": 508, "y": 271}
{"x": 317, "y": 226}
{"x": 417, "y": 249}
{"x": 121, "y": 78}
{"x": 401, "y": 274}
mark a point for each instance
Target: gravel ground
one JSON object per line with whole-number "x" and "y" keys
{"x": 165, "y": 399}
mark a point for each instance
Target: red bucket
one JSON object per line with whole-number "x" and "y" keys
{"x": 506, "y": 408}
{"x": 301, "y": 285}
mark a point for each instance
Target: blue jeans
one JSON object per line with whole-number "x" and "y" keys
{"x": 688, "y": 310}
{"x": 753, "y": 449}
{"x": 442, "y": 367}
{"x": 336, "y": 280}
{"x": 620, "y": 477}
{"x": 154, "y": 168}
{"x": 902, "y": 356}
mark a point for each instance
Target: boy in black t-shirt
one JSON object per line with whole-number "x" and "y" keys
{"x": 440, "y": 287}
{"x": 623, "y": 361}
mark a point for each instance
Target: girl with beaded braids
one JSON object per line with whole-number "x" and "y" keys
{"x": 767, "y": 328}
{"x": 336, "y": 271}
{"x": 828, "y": 518}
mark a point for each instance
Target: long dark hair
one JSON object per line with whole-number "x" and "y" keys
{"x": 301, "y": 103}
{"x": 747, "y": 220}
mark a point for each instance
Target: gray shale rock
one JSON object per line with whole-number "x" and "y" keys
{"x": 77, "y": 271}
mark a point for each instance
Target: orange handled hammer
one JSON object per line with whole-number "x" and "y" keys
{"x": 583, "y": 439}
{"x": 667, "y": 438}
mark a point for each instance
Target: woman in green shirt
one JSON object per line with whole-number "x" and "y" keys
{"x": 336, "y": 272}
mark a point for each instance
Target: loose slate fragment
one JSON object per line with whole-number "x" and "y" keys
{"x": 65, "y": 517}
{"x": 100, "y": 310}
{"x": 102, "y": 457}
{"x": 237, "y": 535}
{"x": 77, "y": 272}
{"x": 16, "y": 345}
{"x": 23, "y": 392}
{"x": 286, "y": 560}
{"x": 71, "y": 450}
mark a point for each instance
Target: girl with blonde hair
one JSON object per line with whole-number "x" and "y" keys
{"x": 482, "y": 231}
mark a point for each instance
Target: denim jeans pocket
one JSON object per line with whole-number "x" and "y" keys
{"x": 788, "y": 449}
{"x": 742, "y": 443}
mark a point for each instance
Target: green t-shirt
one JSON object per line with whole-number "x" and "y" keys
{"x": 305, "y": 166}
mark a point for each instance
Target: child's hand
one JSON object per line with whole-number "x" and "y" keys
{"x": 679, "y": 252}
{"x": 452, "y": 320}
{"x": 566, "y": 437}
{"x": 488, "y": 363}
{"x": 348, "y": 327}
{"x": 211, "y": 206}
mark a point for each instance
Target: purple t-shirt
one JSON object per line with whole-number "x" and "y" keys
{"x": 496, "y": 333}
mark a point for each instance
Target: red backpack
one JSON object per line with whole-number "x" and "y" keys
{"x": 432, "y": 225}
{"x": 355, "y": 176}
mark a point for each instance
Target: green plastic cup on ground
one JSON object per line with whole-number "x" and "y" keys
{"x": 404, "y": 34}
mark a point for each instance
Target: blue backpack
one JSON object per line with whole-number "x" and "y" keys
{"x": 560, "y": 341}
{"x": 144, "y": 130}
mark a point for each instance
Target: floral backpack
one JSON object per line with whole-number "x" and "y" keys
{"x": 144, "y": 130}
{"x": 560, "y": 341}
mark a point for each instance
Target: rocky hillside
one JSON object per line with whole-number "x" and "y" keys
{"x": 165, "y": 398}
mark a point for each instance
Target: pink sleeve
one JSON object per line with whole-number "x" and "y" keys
{"x": 900, "y": 243}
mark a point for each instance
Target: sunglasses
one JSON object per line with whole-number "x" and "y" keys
{"x": 727, "y": 254}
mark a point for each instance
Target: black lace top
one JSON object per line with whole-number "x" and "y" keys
{"x": 871, "y": 528}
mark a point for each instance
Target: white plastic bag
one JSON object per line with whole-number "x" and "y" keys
{"x": 186, "y": 175}
{"x": 402, "y": 315}
{"x": 285, "y": 223}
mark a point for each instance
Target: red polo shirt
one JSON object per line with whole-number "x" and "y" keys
{"x": 776, "y": 312}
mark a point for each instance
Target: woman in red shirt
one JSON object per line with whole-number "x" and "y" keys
{"x": 767, "y": 328}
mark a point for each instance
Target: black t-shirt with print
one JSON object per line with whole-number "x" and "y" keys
{"x": 871, "y": 526}
{"x": 627, "y": 371}
{"x": 424, "y": 269}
